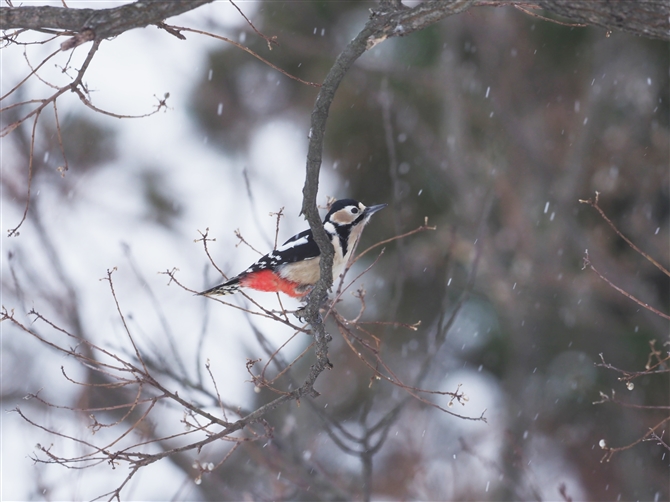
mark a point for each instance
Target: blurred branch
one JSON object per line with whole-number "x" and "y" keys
{"x": 78, "y": 87}
{"x": 262, "y": 312}
{"x": 659, "y": 440}
{"x": 395, "y": 238}
{"x": 178, "y": 29}
{"x": 611, "y": 451}
{"x": 391, "y": 19}
{"x": 587, "y": 260}
{"x": 650, "y": 369}
{"x": 587, "y": 263}
{"x": 604, "y": 398}
{"x": 594, "y": 203}
{"x": 364, "y": 445}
{"x": 270, "y": 40}
{"x": 386, "y": 102}
{"x": 89, "y": 25}
{"x": 121, "y": 373}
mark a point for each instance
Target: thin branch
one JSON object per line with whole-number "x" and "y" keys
{"x": 36, "y": 113}
{"x": 33, "y": 72}
{"x": 31, "y": 157}
{"x": 263, "y": 312}
{"x": 179, "y": 29}
{"x": 587, "y": 263}
{"x": 649, "y": 368}
{"x": 204, "y": 240}
{"x": 279, "y": 215}
{"x": 655, "y": 437}
{"x": 341, "y": 290}
{"x": 238, "y": 234}
{"x": 594, "y": 203}
{"x": 611, "y": 451}
{"x": 123, "y": 319}
{"x": 71, "y": 86}
{"x": 270, "y": 40}
{"x": 172, "y": 343}
{"x": 422, "y": 228}
{"x": 216, "y": 388}
{"x": 61, "y": 169}
{"x": 162, "y": 104}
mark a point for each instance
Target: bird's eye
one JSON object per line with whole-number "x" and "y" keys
{"x": 354, "y": 210}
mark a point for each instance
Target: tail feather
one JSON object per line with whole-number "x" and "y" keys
{"x": 227, "y": 288}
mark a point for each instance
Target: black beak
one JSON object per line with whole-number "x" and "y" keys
{"x": 370, "y": 210}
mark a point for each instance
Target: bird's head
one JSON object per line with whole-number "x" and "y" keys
{"x": 349, "y": 212}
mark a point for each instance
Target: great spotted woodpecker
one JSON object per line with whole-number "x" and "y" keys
{"x": 293, "y": 268}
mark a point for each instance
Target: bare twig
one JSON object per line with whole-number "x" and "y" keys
{"x": 238, "y": 234}
{"x": 594, "y": 203}
{"x": 33, "y": 72}
{"x": 649, "y": 368}
{"x": 61, "y": 169}
{"x": 611, "y": 451}
{"x": 45, "y": 102}
{"x": 179, "y": 29}
{"x": 587, "y": 263}
{"x": 659, "y": 440}
{"x": 279, "y": 215}
{"x": 36, "y": 114}
{"x": 31, "y": 156}
{"x": 270, "y": 40}
{"x": 123, "y": 319}
{"x": 422, "y": 228}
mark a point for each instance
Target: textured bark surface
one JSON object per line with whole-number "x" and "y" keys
{"x": 646, "y": 18}
{"x": 105, "y": 23}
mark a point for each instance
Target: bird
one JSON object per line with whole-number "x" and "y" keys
{"x": 293, "y": 268}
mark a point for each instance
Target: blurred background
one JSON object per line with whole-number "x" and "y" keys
{"x": 492, "y": 124}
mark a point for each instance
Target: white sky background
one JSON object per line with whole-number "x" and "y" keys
{"x": 106, "y": 210}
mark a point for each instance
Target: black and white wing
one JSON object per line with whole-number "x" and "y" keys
{"x": 300, "y": 247}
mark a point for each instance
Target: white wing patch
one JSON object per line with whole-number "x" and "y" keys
{"x": 292, "y": 243}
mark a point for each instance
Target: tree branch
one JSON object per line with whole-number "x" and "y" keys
{"x": 646, "y": 18}
{"x": 390, "y": 20}
{"x": 97, "y": 23}
{"x": 382, "y": 24}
